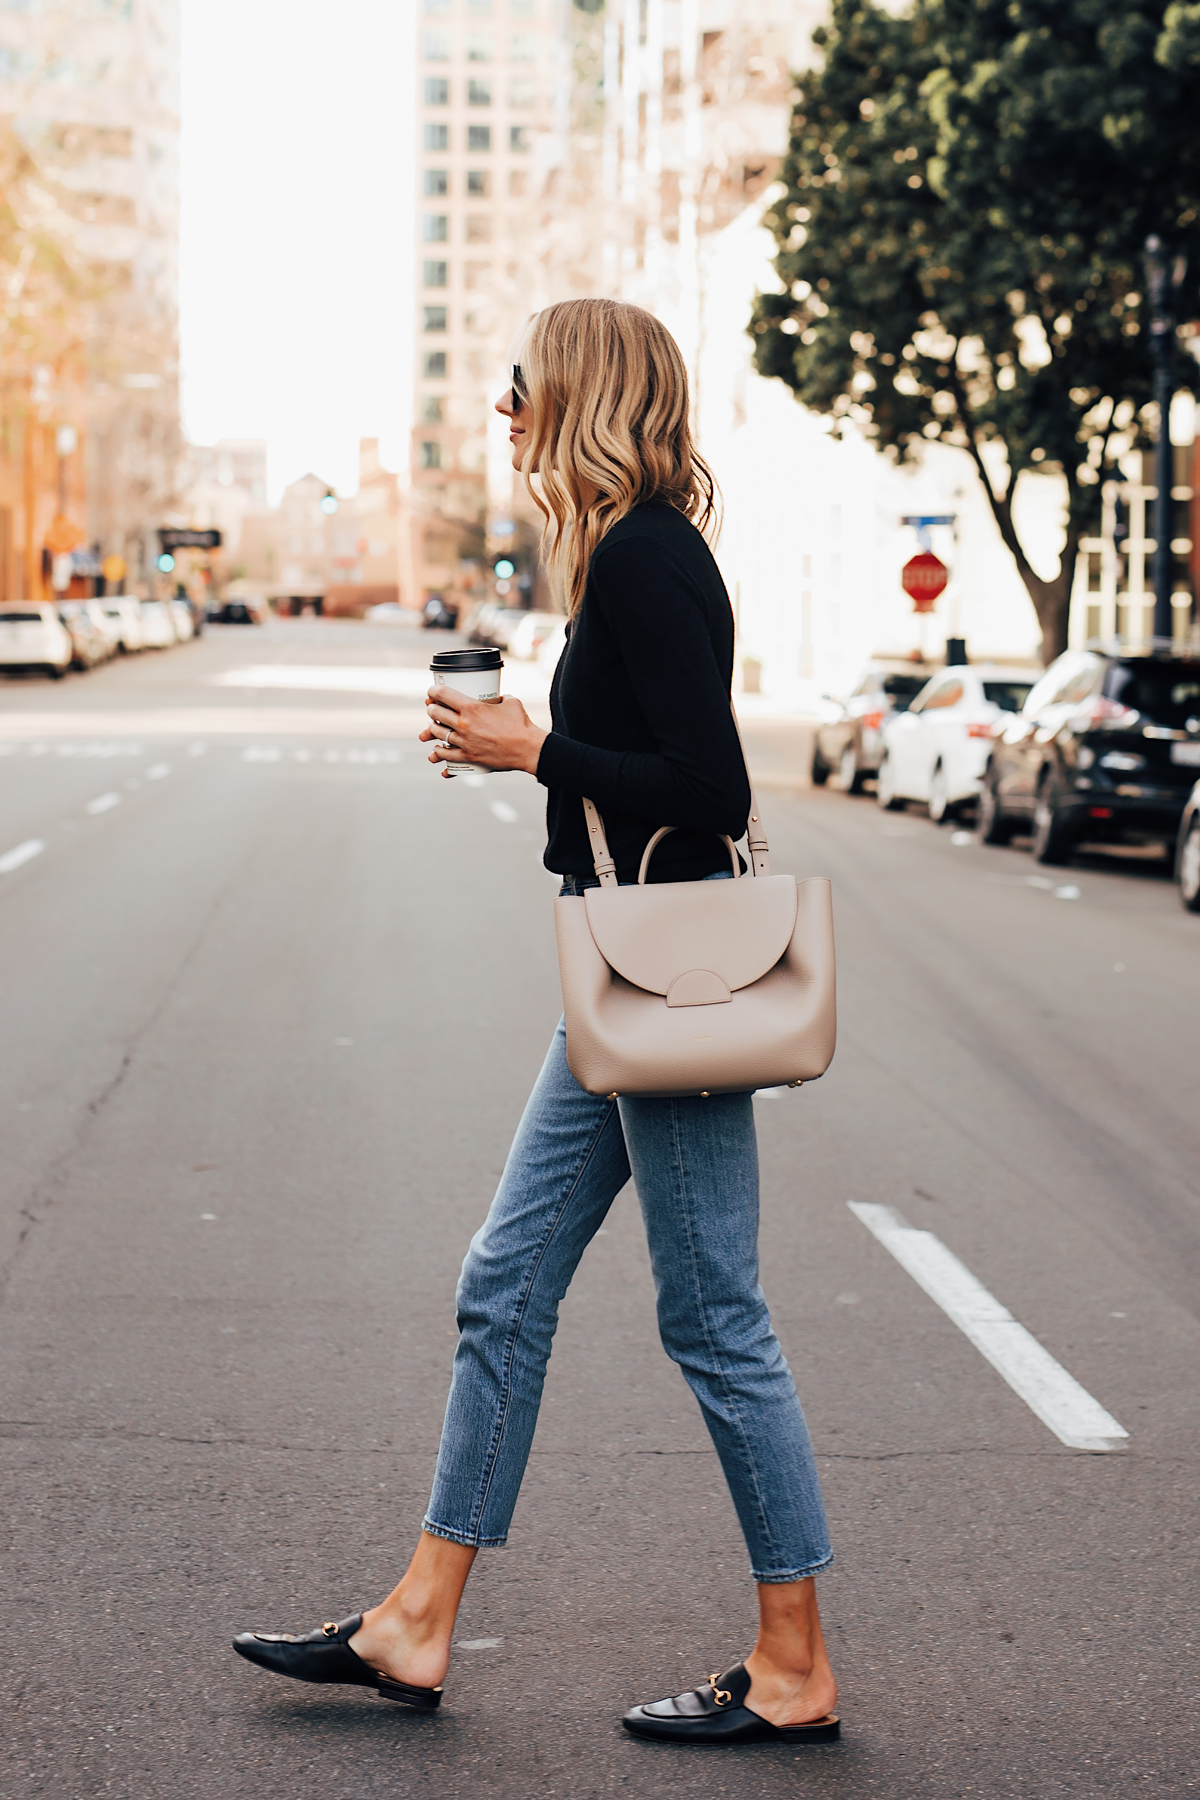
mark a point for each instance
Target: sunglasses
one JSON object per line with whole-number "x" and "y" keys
{"x": 519, "y": 392}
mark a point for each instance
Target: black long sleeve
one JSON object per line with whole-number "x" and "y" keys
{"x": 640, "y": 707}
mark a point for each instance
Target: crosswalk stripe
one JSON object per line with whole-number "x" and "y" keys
{"x": 1043, "y": 1384}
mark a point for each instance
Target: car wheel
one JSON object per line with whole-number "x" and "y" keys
{"x": 994, "y": 827}
{"x": 1053, "y": 840}
{"x": 1189, "y": 867}
{"x": 885, "y": 788}
{"x": 54, "y": 672}
{"x": 850, "y": 777}
{"x": 940, "y": 809}
{"x": 820, "y": 768}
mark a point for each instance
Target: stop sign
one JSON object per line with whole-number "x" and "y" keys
{"x": 923, "y": 577}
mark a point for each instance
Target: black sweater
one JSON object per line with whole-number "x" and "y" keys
{"x": 640, "y": 707}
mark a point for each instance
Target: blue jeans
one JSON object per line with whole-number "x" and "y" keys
{"x": 695, "y": 1163}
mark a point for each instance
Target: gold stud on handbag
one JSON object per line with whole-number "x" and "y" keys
{"x": 696, "y": 987}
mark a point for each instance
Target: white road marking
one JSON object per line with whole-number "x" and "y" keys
{"x": 158, "y": 771}
{"x": 211, "y": 1216}
{"x": 1068, "y": 892}
{"x": 473, "y": 779}
{"x": 500, "y": 809}
{"x": 103, "y": 803}
{"x": 17, "y": 857}
{"x": 262, "y": 753}
{"x": 1039, "y": 881}
{"x": 1044, "y": 1385}
{"x": 478, "y": 1643}
{"x": 962, "y": 839}
{"x": 197, "y": 749}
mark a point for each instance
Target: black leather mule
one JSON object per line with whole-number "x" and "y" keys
{"x": 325, "y": 1655}
{"x": 718, "y": 1714}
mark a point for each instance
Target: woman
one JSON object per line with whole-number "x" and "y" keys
{"x": 641, "y": 725}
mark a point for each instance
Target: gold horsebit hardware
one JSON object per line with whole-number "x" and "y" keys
{"x": 330, "y": 1628}
{"x": 721, "y": 1695}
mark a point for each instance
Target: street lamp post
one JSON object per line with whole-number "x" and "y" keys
{"x": 1164, "y": 278}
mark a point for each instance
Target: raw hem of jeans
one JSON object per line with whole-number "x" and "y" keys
{"x": 770, "y": 1577}
{"x": 470, "y": 1540}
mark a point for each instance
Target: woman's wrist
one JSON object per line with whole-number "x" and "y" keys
{"x": 535, "y": 738}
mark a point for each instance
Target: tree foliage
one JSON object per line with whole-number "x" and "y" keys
{"x": 969, "y": 187}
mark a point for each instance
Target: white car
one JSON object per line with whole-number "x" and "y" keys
{"x": 528, "y": 637}
{"x": 182, "y": 620}
{"x": 33, "y": 636}
{"x": 158, "y": 633}
{"x": 106, "y": 629}
{"x": 938, "y": 750}
{"x": 125, "y": 616}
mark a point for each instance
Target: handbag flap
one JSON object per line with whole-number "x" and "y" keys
{"x": 736, "y": 929}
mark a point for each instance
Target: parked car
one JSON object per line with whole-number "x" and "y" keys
{"x": 158, "y": 633}
{"x": 438, "y": 614}
{"x": 1187, "y": 852}
{"x": 109, "y": 630}
{"x": 182, "y": 622}
{"x": 89, "y": 645}
{"x": 849, "y": 741}
{"x": 125, "y": 616}
{"x": 390, "y": 612}
{"x": 493, "y": 625}
{"x": 1106, "y": 746}
{"x": 530, "y": 633}
{"x": 32, "y": 636}
{"x": 937, "y": 750}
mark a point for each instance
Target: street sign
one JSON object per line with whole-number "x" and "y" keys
{"x": 923, "y": 577}
{"x": 179, "y": 537}
{"x": 113, "y": 568}
{"x": 62, "y": 536}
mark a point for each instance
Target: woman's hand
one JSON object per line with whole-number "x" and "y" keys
{"x": 497, "y": 733}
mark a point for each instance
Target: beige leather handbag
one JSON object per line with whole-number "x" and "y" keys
{"x": 696, "y": 987}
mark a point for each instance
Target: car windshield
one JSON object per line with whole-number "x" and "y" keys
{"x": 20, "y": 618}
{"x": 902, "y": 688}
{"x": 1168, "y": 693}
{"x": 1009, "y": 696}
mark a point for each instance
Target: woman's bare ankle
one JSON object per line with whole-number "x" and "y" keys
{"x": 791, "y": 1692}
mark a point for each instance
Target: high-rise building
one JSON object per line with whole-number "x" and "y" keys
{"x": 486, "y": 74}
{"x": 89, "y": 128}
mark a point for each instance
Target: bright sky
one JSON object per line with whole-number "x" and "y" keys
{"x": 297, "y": 229}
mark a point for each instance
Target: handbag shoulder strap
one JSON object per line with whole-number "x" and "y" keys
{"x": 756, "y": 837}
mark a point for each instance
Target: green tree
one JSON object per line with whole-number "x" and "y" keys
{"x": 968, "y": 190}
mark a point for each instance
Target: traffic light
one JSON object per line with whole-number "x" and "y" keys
{"x": 329, "y": 501}
{"x": 166, "y": 562}
{"x": 505, "y": 568}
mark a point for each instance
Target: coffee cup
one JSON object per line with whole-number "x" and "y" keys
{"x": 473, "y": 672}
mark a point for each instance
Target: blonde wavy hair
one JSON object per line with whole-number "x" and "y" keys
{"x": 608, "y": 388}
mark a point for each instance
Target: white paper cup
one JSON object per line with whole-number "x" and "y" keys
{"x": 473, "y": 672}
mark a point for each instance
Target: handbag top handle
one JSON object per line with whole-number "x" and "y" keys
{"x": 756, "y": 837}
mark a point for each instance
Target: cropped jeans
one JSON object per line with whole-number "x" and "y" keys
{"x": 695, "y": 1165}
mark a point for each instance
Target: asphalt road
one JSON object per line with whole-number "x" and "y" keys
{"x": 268, "y": 1016}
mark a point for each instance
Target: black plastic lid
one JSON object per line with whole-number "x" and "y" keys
{"x": 446, "y": 662}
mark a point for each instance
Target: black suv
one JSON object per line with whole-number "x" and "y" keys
{"x": 1106, "y": 746}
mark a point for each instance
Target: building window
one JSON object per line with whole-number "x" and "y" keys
{"x": 437, "y": 181}
{"x": 480, "y": 9}
{"x": 479, "y": 228}
{"x": 431, "y": 454}
{"x": 437, "y": 137}
{"x": 435, "y": 318}
{"x": 522, "y": 93}
{"x": 436, "y": 46}
{"x": 479, "y": 184}
{"x": 434, "y": 365}
{"x": 479, "y": 137}
{"x": 437, "y": 274}
{"x": 479, "y": 93}
{"x": 478, "y": 274}
{"x": 523, "y": 9}
{"x": 518, "y": 137}
{"x": 432, "y": 7}
{"x": 437, "y": 90}
{"x": 431, "y": 410}
{"x": 435, "y": 228}
{"x": 522, "y": 47}
{"x": 479, "y": 46}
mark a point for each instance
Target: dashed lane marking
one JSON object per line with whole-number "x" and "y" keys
{"x": 20, "y": 854}
{"x": 103, "y": 803}
{"x": 500, "y": 809}
{"x": 1044, "y": 1385}
{"x": 157, "y": 772}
